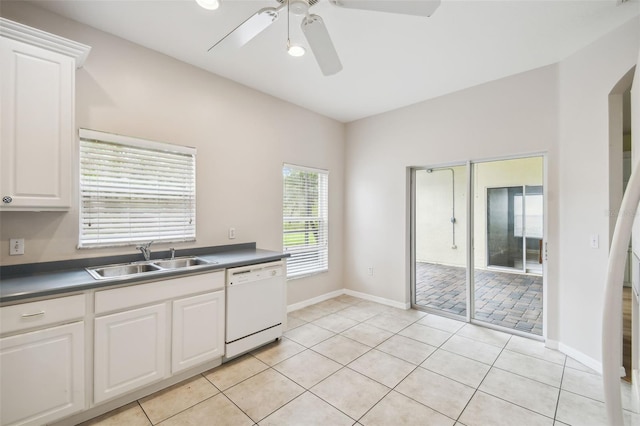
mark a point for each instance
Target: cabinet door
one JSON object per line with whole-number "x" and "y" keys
{"x": 198, "y": 330}
{"x": 42, "y": 375}
{"x": 130, "y": 350}
{"x": 37, "y": 110}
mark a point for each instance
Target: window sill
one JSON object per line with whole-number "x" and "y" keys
{"x": 307, "y": 275}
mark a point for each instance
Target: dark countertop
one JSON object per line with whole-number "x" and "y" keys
{"x": 21, "y": 282}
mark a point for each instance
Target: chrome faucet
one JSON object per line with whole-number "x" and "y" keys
{"x": 145, "y": 249}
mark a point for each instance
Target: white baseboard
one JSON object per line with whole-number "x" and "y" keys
{"x": 331, "y": 295}
{"x": 314, "y": 300}
{"x": 580, "y": 357}
{"x": 551, "y": 344}
{"x": 377, "y": 299}
{"x": 635, "y": 387}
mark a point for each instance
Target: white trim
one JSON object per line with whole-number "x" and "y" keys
{"x": 102, "y": 408}
{"x": 305, "y": 168}
{"x": 381, "y": 300}
{"x": 635, "y": 387}
{"x": 314, "y": 300}
{"x": 551, "y": 344}
{"x": 137, "y": 142}
{"x": 331, "y": 295}
{"x": 612, "y": 308}
{"x": 580, "y": 357}
{"x": 52, "y": 42}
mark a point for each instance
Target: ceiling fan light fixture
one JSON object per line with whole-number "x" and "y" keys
{"x": 299, "y": 7}
{"x": 209, "y": 4}
{"x": 296, "y": 50}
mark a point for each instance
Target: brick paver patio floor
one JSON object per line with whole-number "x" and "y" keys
{"x": 507, "y": 299}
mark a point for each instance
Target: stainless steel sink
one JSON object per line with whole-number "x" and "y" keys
{"x": 126, "y": 270}
{"x": 122, "y": 270}
{"x": 181, "y": 262}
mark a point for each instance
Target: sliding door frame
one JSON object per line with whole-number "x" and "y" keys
{"x": 470, "y": 267}
{"x": 412, "y": 239}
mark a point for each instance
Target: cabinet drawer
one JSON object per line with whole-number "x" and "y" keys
{"x": 41, "y": 313}
{"x": 143, "y": 294}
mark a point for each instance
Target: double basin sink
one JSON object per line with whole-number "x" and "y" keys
{"x": 126, "y": 270}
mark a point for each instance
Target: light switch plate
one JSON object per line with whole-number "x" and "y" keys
{"x": 16, "y": 246}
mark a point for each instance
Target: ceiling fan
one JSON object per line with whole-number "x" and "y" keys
{"x": 313, "y": 26}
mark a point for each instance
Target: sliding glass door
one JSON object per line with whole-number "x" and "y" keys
{"x": 498, "y": 206}
{"x": 440, "y": 229}
{"x": 514, "y": 228}
{"x": 508, "y": 214}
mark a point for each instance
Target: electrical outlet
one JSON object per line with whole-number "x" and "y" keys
{"x": 595, "y": 241}
{"x": 371, "y": 270}
{"x": 16, "y": 246}
{"x": 232, "y": 233}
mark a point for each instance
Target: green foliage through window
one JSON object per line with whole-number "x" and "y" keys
{"x": 305, "y": 219}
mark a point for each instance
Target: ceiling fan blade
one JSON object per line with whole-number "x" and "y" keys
{"x": 405, "y": 7}
{"x": 250, "y": 28}
{"x": 321, "y": 45}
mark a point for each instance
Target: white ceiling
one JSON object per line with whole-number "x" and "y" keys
{"x": 389, "y": 60}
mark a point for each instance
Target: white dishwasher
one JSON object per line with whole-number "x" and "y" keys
{"x": 256, "y": 306}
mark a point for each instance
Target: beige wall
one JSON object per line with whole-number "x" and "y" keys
{"x": 561, "y": 110}
{"x": 242, "y": 136}
{"x": 586, "y": 80}
{"x": 474, "y": 124}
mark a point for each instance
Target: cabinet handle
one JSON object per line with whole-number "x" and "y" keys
{"x": 6, "y": 199}
{"x": 35, "y": 314}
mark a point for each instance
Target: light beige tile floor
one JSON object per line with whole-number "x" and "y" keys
{"x": 346, "y": 361}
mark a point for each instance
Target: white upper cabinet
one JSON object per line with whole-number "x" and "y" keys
{"x": 38, "y": 117}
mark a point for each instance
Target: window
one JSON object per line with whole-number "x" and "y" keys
{"x": 134, "y": 190}
{"x": 305, "y": 220}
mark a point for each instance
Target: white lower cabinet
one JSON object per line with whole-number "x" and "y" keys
{"x": 197, "y": 330}
{"x": 129, "y": 350}
{"x": 147, "y": 332}
{"x": 42, "y": 375}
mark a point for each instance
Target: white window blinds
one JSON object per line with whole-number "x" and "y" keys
{"x": 305, "y": 220}
{"x": 133, "y": 190}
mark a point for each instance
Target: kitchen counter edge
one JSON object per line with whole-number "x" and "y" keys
{"x": 72, "y": 277}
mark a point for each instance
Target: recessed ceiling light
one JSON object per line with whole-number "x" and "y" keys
{"x": 209, "y": 4}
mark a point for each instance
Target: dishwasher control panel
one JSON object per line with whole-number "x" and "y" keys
{"x": 262, "y": 271}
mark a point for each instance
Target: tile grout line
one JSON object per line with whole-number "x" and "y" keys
{"x": 407, "y": 375}
{"x": 345, "y": 366}
{"x": 555, "y": 413}
{"x": 342, "y": 366}
{"x": 505, "y": 400}
{"x": 144, "y": 412}
{"x": 412, "y": 321}
{"x": 480, "y": 384}
{"x": 520, "y": 375}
